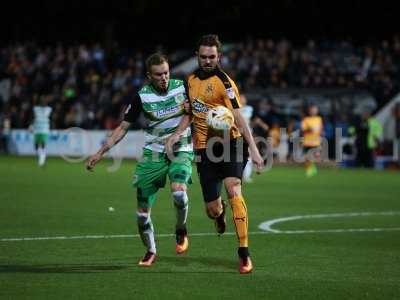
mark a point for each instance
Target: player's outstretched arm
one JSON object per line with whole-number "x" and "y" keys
{"x": 117, "y": 135}
{"x": 245, "y": 131}
{"x": 173, "y": 138}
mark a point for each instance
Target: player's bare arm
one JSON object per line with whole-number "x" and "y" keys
{"x": 116, "y": 136}
{"x": 183, "y": 124}
{"x": 245, "y": 131}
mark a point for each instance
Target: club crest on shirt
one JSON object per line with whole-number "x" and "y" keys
{"x": 180, "y": 98}
{"x": 209, "y": 89}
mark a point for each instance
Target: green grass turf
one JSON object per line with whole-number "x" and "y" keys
{"x": 63, "y": 199}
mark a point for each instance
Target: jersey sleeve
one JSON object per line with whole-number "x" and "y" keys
{"x": 230, "y": 92}
{"x": 133, "y": 110}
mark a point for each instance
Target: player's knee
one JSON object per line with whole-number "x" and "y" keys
{"x": 179, "y": 194}
{"x": 233, "y": 187}
{"x": 178, "y": 187}
{"x": 180, "y": 198}
{"x": 214, "y": 208}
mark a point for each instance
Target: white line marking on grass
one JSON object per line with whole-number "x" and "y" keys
{"x": 267, "y": 225}
{"x": 76, "y": 237}
{"x": 113, "y": 236}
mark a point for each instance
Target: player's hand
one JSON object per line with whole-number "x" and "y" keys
{"x": 257, "y": 160}
{"x": 92, "y": 161}
{"x": 169, "y": 144}
{"x": 186, "y": 105}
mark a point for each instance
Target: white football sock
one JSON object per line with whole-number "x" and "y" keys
{"x": 146, "y": 231}
{"x": 42, "y": 156}
{"x": 181, "y": 202}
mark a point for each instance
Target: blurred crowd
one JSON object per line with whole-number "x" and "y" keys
{"x": 267, "y": 63}
{"x": 85, "y": 86}
{"x": 89, "y": 87}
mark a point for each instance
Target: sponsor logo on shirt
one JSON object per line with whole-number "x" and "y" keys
{"x": 198, "y": 106}
{"x": 167, "y": 111}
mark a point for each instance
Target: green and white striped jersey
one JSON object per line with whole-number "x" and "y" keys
{"x": 41, "y": 122}
{"x": 164, "y": 112}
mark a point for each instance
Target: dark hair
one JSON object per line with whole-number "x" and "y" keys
{"x": 210, "y": 40}
{"x": 155, "y": 60}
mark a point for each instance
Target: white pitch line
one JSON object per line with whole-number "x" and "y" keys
{"x": 113, "y": 236}
{"x": 267, "y": 225}
{"x": 163, "y": 235}
{"x": 336, "y": 230}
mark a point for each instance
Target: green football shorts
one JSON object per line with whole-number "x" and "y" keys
{"x": 41, "y": 138}
{"x": 151, "y": 174}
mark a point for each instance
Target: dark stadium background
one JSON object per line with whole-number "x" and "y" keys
{"x": 179, "y": 24}
{"x": 129, "y": 31}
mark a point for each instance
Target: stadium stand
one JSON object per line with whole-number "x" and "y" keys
{"x": 89, "y": 86}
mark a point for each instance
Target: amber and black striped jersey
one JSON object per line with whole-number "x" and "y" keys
{"x": 205, "y": 91}
{"x": 312, "y": 127}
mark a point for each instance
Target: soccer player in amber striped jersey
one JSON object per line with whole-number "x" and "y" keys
{"x": 311, "y": 127}
{"x": 210, "y": 86}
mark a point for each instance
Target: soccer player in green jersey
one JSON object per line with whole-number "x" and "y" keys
{"x": 41, "y": 129}
{"x": 163, "y": 103}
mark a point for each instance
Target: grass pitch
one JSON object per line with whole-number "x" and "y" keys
{"x": 330, "y": 257}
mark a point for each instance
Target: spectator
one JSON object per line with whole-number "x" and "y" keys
{"x": 261, "y": 123}
{"x": 367, "y": 132}
{"x": 90, "y": 76}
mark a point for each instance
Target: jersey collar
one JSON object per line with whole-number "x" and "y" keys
{"x": 205, "y": 75}
{"x": 158, "y": 91}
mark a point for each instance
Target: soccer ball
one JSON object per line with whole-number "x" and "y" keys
{"x": 220, "y": 118}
